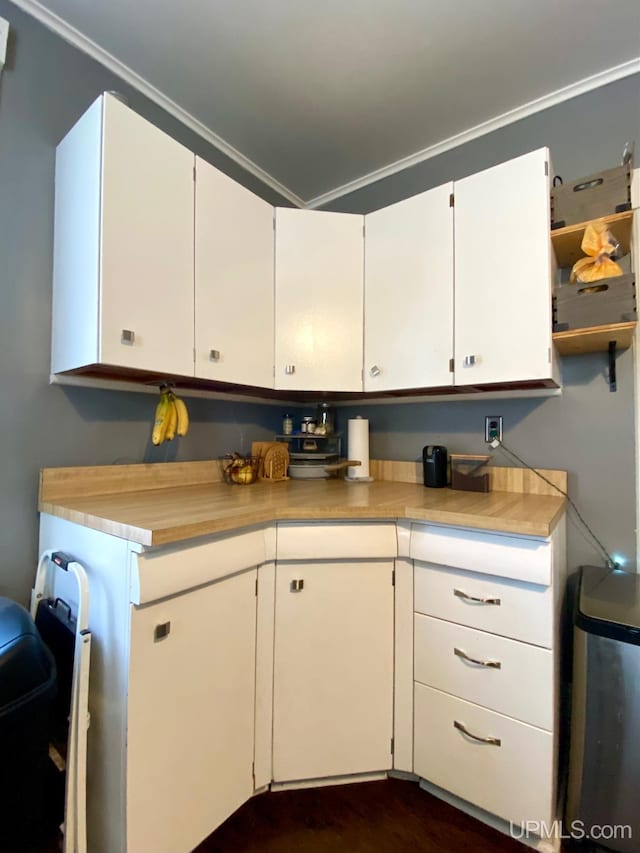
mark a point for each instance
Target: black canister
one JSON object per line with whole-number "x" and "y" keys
{"x": 434, "y": 463}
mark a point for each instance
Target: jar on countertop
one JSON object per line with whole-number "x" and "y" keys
{"x": 308, "y": 424}
{"x": 326, "y": 419}
{"x": 287, "y": 425}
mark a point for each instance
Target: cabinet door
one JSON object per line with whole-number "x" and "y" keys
{"x": 333, "y": 669}
{"x": 234, "y": 281}
{"x": 319, "y": 283}
{"x": 190, "y": 725}
{"x": 408, "y": 293}
{"x": 503, "y": 273}
{"x": 146, "y": 252}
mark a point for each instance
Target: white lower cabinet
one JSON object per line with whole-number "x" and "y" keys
{"x": 221, "y": 665}
{"x": 173, "y": 684}
{"x": 499, "y": 764}
{"x": 190, "y": 715}
{"x": 486, "y": 664}
{"x": 333, "y": 669}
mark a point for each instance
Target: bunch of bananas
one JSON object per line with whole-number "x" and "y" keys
{"x": 171, "y": 417}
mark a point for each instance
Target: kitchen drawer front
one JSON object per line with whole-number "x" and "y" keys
{"x": 336, "y": 541}
{"x": 517, "y": 557}
{"x": 518, "y": 684}
{"x": 524, "y": 611}
{"x": 167, "y": 571}
{"x": 514, "y": 780}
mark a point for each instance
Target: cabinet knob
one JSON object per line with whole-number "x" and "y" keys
{"x": 469, "y": 360}
{"x": 289, "y": 369}
{"x": 161, "y": 631}
{"x": 214, "y": 354}
{"x": 296, "y": 585}
{"x": 374, "y": 370}
{"x": 127, "y": 337}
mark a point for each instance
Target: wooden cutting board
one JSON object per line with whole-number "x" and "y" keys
{"x": 276, "y": 455}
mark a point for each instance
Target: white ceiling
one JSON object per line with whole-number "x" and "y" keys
{"x": 322, "y": 96}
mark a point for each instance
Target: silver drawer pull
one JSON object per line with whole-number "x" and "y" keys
{"x": 128, "y": 336}
{"x": 464, "y": 595}
{"x": 493, "y": 664}
{"x": 214, "y": 355}
{"x": 297, "y": 585}
{"x": 493, "y": 741}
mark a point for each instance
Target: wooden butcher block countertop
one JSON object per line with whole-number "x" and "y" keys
{"x": 167, "y": 502}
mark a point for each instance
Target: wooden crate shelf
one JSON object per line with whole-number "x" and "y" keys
{"x": 595, "y": 339}
{"x": 566, "y": 241}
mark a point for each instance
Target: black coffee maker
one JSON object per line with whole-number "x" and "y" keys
{"x": 434, "y": 463}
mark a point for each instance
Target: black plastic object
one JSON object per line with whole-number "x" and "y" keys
{"x": 434, "y": 463}
{"x": 27, "y": 687}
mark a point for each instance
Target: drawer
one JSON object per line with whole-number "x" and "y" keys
{"x": 161, "y": 572}
{"x": 518, "y": 610}
{"x": 514, "y": 780}
{"x": 336, "y": 541}
{"x": 518, "y": 557}
{"x": 515, "y": 678}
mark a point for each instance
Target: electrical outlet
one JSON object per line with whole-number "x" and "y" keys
{"x": 492, "y": 428}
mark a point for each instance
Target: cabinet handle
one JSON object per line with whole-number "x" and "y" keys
{"x": 296, "y": 585}
{"x": 214, "y": 355}
{"x": 127, "y": 337}
{"x": 375, "y": 370}
{"x": 289, "y": 369}
{"x": 161, "y": 631}
{"x": 493, "y": 741}
{"x": 469, "y": 360}
{"x": 466, "y": 597}
{"x": 493, "y": 664}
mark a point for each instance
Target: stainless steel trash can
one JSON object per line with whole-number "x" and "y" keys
{"x": 603, "y": 800}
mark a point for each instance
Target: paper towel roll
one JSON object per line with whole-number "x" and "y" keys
{"x": 358, "y": 447}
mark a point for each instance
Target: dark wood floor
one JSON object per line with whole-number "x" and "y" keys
{"x": 390, "y": 816}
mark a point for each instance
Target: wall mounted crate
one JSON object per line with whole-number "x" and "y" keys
{"x": 592, "y": 197}
{"x": 597, "y": 303}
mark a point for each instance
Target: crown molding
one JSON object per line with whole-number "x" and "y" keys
{"x": 86, "y": 45}
{"x": 610, "y": 75}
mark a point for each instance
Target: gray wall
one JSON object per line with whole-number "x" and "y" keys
{"x": 45, "y": 86}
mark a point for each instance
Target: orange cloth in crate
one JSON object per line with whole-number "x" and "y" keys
{"x": 599, "y": 244}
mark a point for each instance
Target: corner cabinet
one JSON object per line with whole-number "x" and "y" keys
{"x": 504, "y": 273}
{"x": 318, "y": 293}
{"x": 234, "y": 246}
{"x": 408, "y": 293}
{"x": 333, "y": 650}
{"x": 123, "y": 256}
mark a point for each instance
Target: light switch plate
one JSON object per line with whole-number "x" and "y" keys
{"x": 4, "y": 34}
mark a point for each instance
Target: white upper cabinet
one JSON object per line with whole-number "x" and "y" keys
{"x": 233, "y": 281}
{"x": 503, "y": 273}
{"x": 318, "y": 311}
{"x": 124, "y": 231}
{"x": 408, "y": 293}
